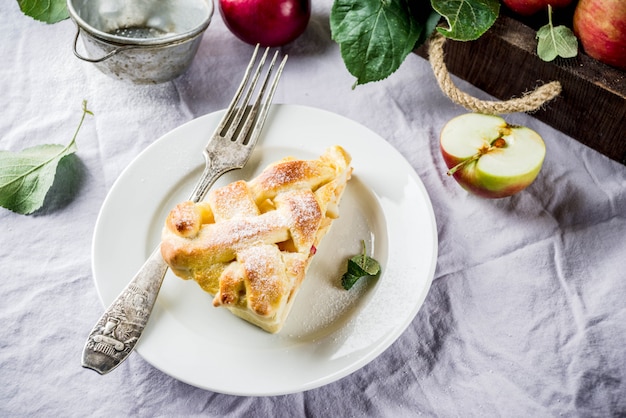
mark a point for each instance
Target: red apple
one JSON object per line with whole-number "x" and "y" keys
{"x": 530, "y": 7}
{"x": 600, "y": 25}
{"x": 489, "y": 157}
{"x": 266, "y": 22}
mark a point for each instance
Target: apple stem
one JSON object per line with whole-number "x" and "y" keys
{"x": 464, "y": 163}
{"x": 497, "y": 143}
{"x": 550, "y": 15}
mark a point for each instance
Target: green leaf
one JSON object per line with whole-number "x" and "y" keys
{"x": 360, "y": 265}
{"x": 467, "y": 19}
{"x": 48, "y": 11}
{"x": 348, "y": 280}
{"x": 26, "y": 177}
{"x": 555, "y": 42}
{"x": 374, "y": 36}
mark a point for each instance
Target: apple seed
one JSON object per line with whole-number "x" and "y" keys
{"x": 499, "y": 143}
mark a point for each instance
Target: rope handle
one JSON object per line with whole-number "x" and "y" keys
{"x": 529, "y": 102}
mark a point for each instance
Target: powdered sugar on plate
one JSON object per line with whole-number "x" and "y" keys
{"x": 323, "y": 307}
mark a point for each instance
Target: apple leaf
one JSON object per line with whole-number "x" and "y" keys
{"x": 375, "y": 36}
{"x": 26, "y": 176}
{"x": 555, "y": 42}
{"x": 467, "y": 19}
{"x": 48, "y": 11}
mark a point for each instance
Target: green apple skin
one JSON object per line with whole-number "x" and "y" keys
{"x": 499, "y": 172}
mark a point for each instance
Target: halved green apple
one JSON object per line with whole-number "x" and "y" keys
{"x": 489, "y": 157}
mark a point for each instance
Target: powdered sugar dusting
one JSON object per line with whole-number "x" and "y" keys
{"x": 239, "y": 233}
{"x": 284, "y": 174}
{"x": 324, "y": 310}
{"x": 303, "y": 216}
{"x": 263, "y": 267}
{"x": 233, "y": 200}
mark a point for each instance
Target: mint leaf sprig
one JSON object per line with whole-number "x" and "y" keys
{"x": 359, "y": 266}
{"x": 26, "y": 176}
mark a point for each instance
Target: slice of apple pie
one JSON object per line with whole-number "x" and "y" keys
{"x": 250, "y": 243}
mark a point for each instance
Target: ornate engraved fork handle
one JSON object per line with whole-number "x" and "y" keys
{"x": 114, "y": 336}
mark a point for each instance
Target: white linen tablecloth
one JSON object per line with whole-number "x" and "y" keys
{"x": 527, "y": 310}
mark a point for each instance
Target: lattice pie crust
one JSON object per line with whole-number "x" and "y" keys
{"x": 250, "y": 243}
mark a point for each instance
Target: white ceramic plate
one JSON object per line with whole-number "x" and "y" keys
{"x": 330, "y": 332}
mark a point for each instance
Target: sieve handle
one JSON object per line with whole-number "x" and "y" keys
{"x": 105, "y": 57}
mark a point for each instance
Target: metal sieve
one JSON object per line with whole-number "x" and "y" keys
{"x": 142, "y": 41}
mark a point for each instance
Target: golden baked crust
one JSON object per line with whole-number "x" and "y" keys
{"x": 251, "y": 243}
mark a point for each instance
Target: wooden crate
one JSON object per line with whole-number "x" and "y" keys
{"x": 503, "y": 62}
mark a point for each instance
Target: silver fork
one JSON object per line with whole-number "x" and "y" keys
{"x": 115, "y": 335}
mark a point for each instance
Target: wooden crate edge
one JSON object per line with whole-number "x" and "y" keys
{"x": 503, "y": 63}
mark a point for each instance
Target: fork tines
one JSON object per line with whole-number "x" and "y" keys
{"x": 253, "y": 115}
